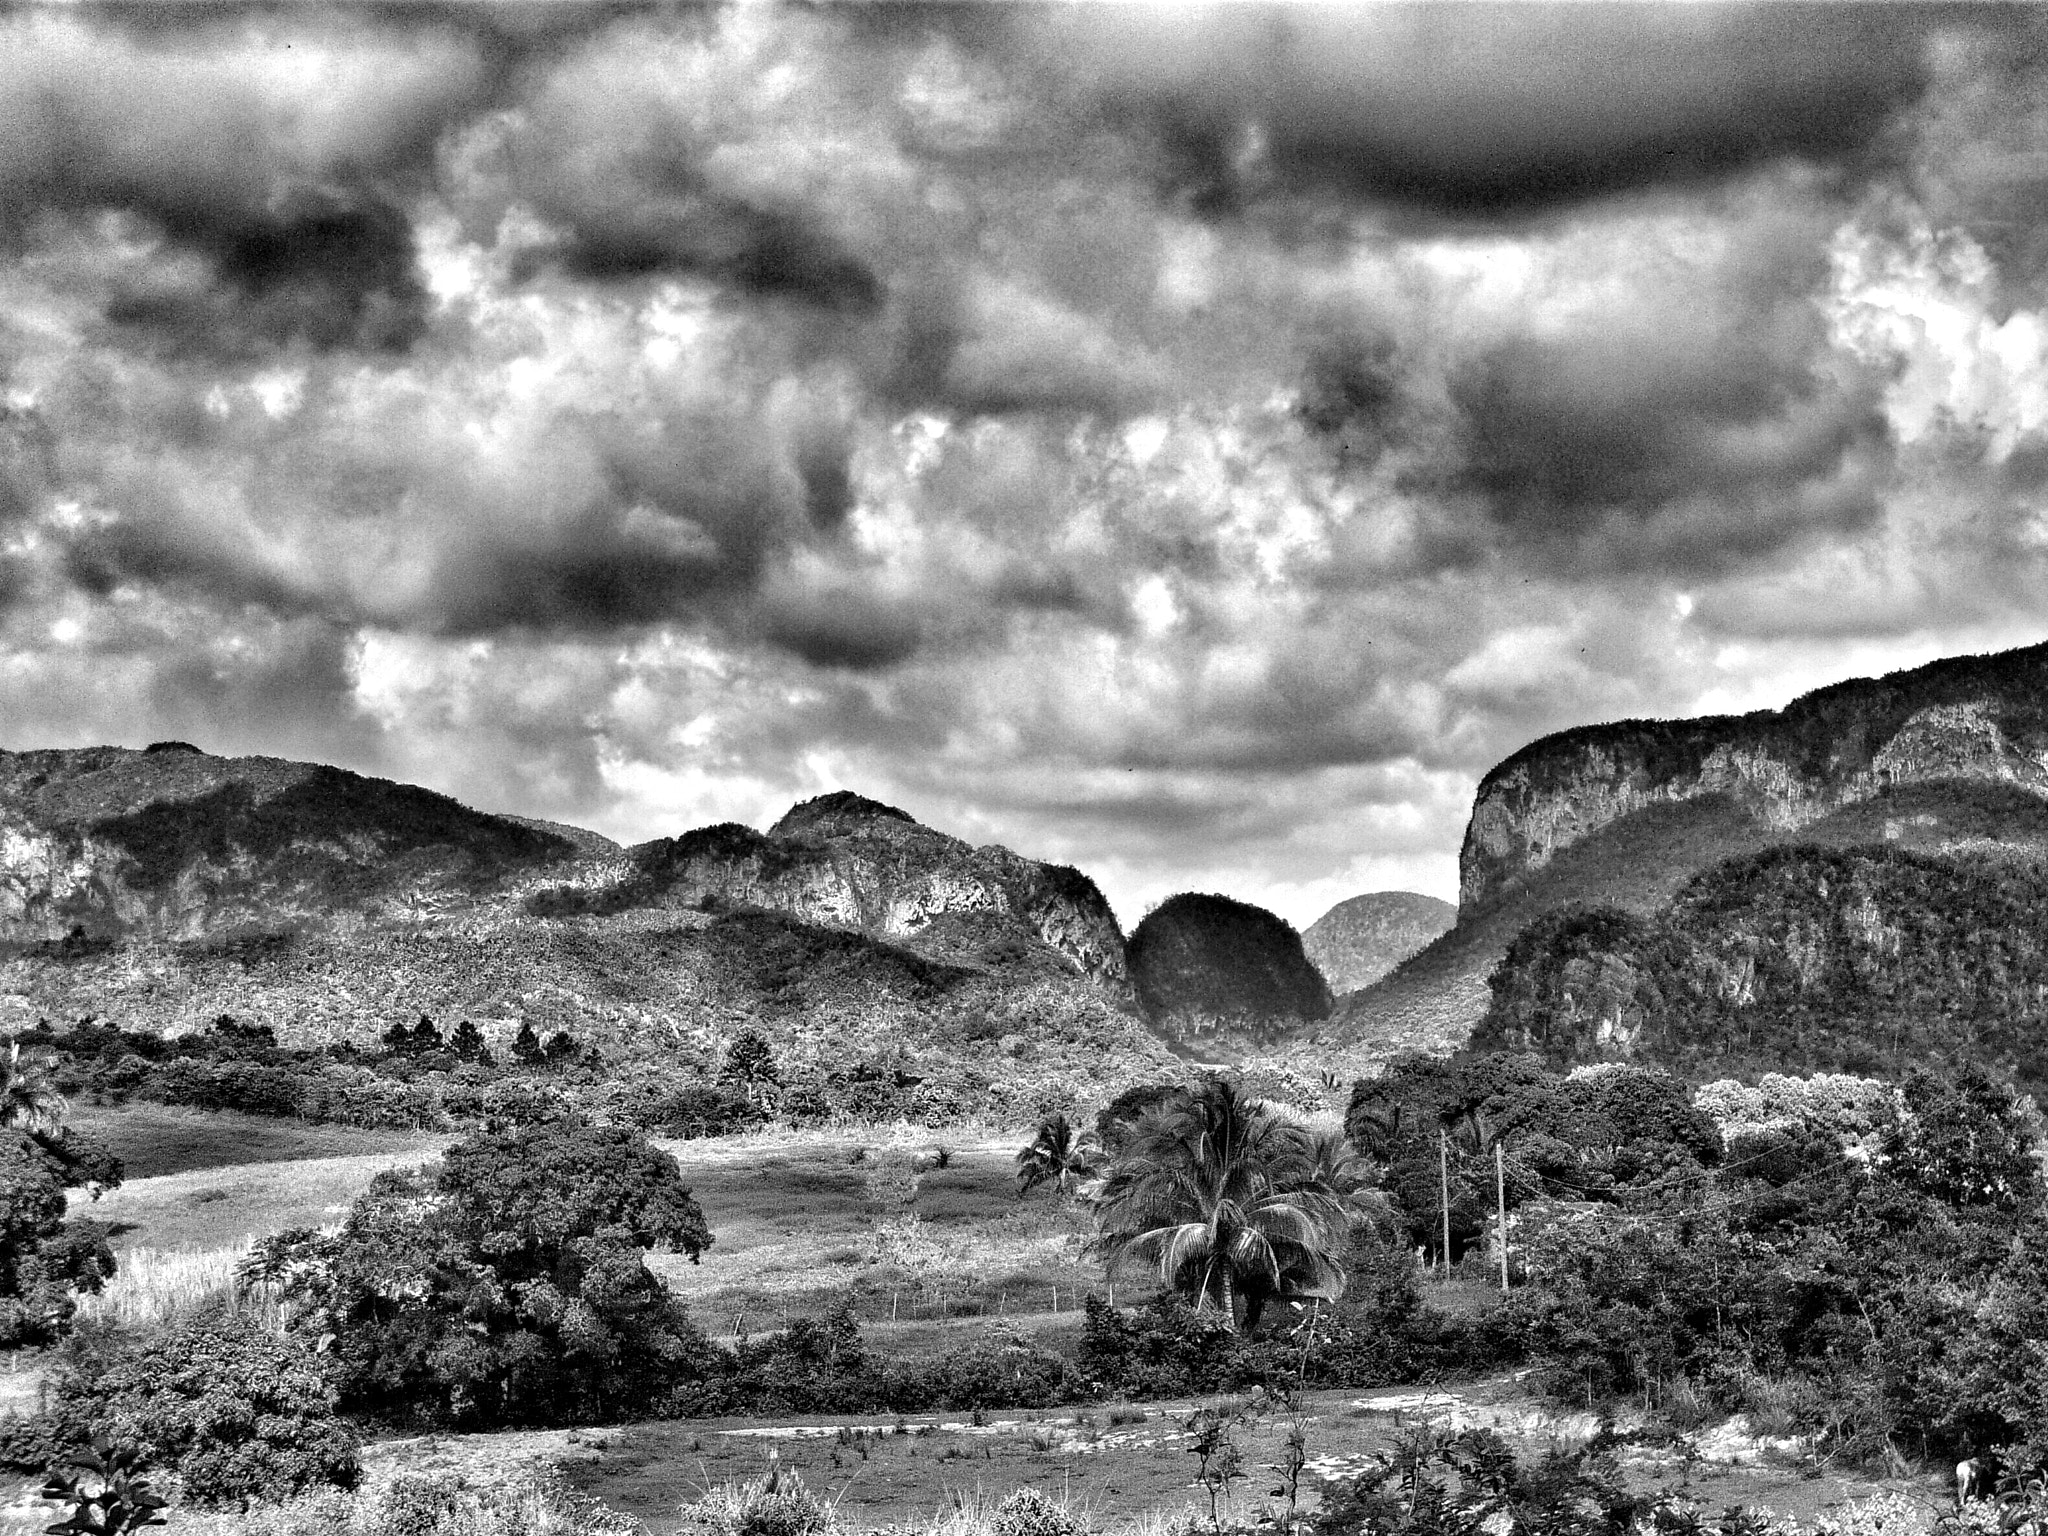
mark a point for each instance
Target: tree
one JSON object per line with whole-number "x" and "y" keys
{"x": 1057, "y": 1155}
{"x": 1967, "y": 1141}
{"x": 750, "y": 1067}
{"x": 1225, "y": 1196}
{"x": 45, "y": 1260}
{"x": 468, "y": 1044}
{"x": 29, "y": 1100}
{"x": 526, "y": 1046}
{"x": 419, "y": 1039}
{"x": 506, "y": 1286}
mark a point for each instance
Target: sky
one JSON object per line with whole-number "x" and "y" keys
{"x": 1188, "y": 443}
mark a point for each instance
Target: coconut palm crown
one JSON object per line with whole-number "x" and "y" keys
{"x": 1232, "y": 1201}
{"x": 1058, "y": 1155}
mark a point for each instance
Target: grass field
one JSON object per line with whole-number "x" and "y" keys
{"x": 223, "y": 1207}
{"x": 157, "y": 1139}
{"x": 798, "y": 1226}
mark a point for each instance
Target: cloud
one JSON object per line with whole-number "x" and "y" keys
{"x": 255, "y": 160}
{"x": 1196, "y": 444}
{"x": 1481, "y": 111}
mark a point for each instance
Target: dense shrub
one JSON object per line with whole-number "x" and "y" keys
{"x": 1168, "y": 1349}
{"x": 1473, "y": 1484}
{"x": 695, "y": 1110}
{"x": 238, "y": 1413}
{"x": 823, "y": 1365}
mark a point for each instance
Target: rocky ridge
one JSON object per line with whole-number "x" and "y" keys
{"x": 172, "y": 843}
{"x": 844, "y": 861}
{"x": 1969, "y": 717}
{"x": 160, "y": 889}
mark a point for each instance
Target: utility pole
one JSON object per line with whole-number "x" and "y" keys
{"x": 1443, "y": 1159}
{"x": 1500, "y": 1195}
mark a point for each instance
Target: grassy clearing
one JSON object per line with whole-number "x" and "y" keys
{"x": 800, "y": 1226}
{"x": 800, "y": 1221}
{"x": 157, "y": 1139}
{"x": 219, "y": 1208}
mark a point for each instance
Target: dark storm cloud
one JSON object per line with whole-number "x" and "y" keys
{"x": 841, "y": 628}
{"x": 1486, "y": 110}
{"x": 267, "y": 155}
{"x": 1615, "y": 456}
{"x": 760, "y": 252}
{"x": 328, "y": 268}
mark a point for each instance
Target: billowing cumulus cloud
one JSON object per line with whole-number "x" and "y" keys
{"x": 1194, "y": 443}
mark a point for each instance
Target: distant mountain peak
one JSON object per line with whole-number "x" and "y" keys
{"x": 840, "y": 811}
{"x": 1358, "y": 941}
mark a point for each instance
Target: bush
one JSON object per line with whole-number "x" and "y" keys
{"x": 1028, "y": 1512}
{"x": 239, "y": 1414}
{"x": 774, "y": 1504}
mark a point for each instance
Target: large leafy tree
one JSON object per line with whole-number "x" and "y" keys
{"x": 1058, "y": 1155}
{"x": 1233, "y": 1202}
{"x": 507, "y": 1285}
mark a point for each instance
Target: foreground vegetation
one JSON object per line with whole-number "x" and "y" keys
{"x": 1855, "y": 1267}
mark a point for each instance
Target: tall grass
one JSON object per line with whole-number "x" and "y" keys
{"x": 529, "y": 1504}
{"x": 154, "y": 1287}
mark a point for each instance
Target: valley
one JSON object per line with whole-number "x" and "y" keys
{"x": 850, "y": 1176}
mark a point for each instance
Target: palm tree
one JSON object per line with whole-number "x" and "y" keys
{"x": 1231, "y": 1200}
{"x": 1058, "y": 1155}
{"x": 29, "y": 1101}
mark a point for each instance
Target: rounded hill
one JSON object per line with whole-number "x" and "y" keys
{"x": 1210, "y": 957}
{"x": 1358, "y": 941}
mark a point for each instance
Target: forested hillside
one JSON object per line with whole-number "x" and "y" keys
{"x": 1808, "y": 958}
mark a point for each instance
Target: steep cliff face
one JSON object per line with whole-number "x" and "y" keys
{"x": 1946, "y": 758}
{"x": 1358, "y": 941}
{"x": 1974, "y": 717}
{"x": 171, "y": 843}
{"x": 843, "y": 861}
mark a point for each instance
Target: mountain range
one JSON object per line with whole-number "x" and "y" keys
{"x": 1848, "y": 881}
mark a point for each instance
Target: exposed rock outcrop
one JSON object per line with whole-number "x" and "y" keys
{"x": 1971, "y": 717}
{"x": 843, "y": 861}
{"x": 173, "y": 843}
{"x": 1358, "y": 941}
